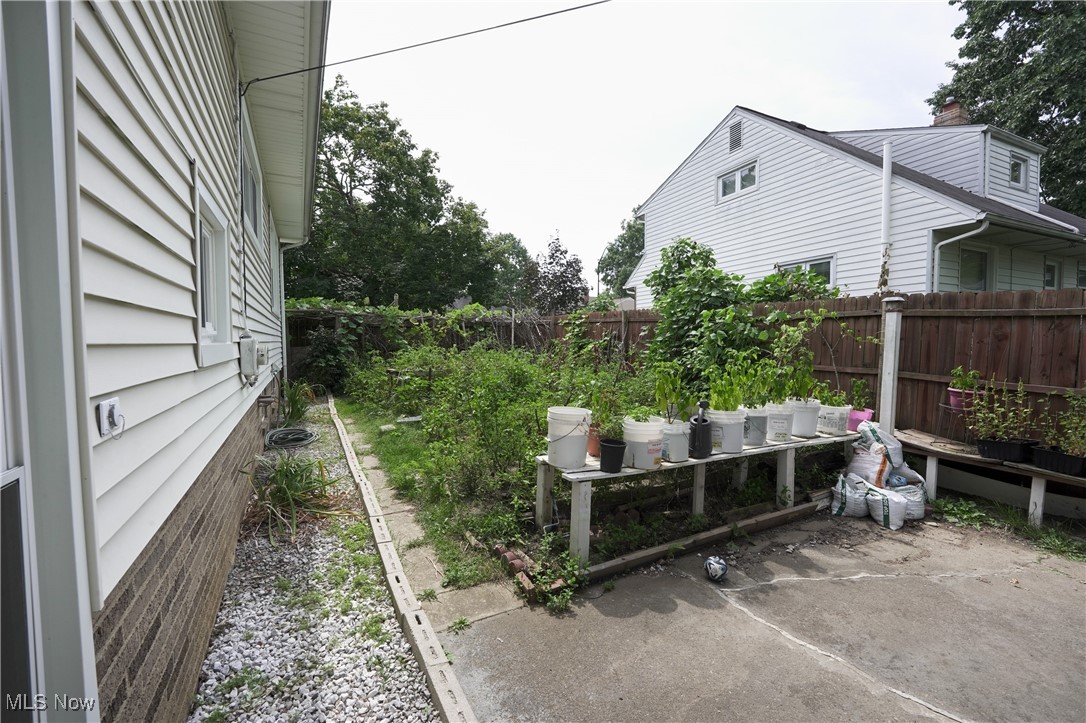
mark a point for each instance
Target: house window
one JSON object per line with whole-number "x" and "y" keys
{"x": 250, "y": 193}
{"x": 973, "y": 271}
{"x": 1082, "y": 274}
{"x": 821, "y": 266}
{"x": 212, "y": 284}
{"x": 1052, "y": 274}
{"x": 1019, "y": 173}
{"x": 734, "y": 182}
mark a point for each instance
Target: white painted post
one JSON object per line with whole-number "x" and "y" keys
{"x": 544, "y": 493}
{"x": 1037, "y": 501}
{"x": 739, "y": 475}
{"x": 891, "y": 349}
{"x": 579, "y": 519}
{"x": 931, "y": 477}
{"x": 698, "y": 507}
{"x": 786, "y": 477}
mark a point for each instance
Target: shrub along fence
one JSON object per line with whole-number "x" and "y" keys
{"x": 1038, "y": 337}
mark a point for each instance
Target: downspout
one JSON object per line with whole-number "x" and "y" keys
{"x": 887, "y": 183}
{"x": 935, "y": 263}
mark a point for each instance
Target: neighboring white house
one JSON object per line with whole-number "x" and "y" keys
{"x": 765, "y": 193}
{"x": 146, "y": 206}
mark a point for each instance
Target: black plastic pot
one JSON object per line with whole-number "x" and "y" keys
{"x": 1051, "y": 458}
{"x": 611, "y": 453}
{"x": 701, "y": 438}
{"x": 1013, "y": 450}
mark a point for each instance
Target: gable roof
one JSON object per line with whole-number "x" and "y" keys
{"x": 1053, "y": 222}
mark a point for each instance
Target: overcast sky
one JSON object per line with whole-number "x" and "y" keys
{"x": 568, "y": 122}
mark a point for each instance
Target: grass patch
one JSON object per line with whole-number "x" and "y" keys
{"x": 1057, "y": 538}
{"x": 253, "y": 680}
{"x": 373, "y": 628}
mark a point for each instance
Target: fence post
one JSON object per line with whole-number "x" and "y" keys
{"x": 891, "y": 353}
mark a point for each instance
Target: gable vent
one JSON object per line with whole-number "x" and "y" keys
{"x": 735, "y": 136}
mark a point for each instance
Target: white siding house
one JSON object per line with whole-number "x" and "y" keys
{"x": 147, "y": 205}
{"x": 766, "y": 193}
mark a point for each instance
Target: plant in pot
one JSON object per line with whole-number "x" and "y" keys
{"x": 677, "y": 404}
{"x": 861, "y": 397}
{"x": 833, "y": 414}
{"x": 611, "y": 444}
{"x": 962, "y": 389}
{"x": 805, "y": 405}
{"x": 725, "y": 396}
{"x": 758, "y": 379}
{"x": 643, "y": 431}
{"x": 604, "y": 403}
{"x": 1063, "y": 438}
{"x": 1001, "y": 420}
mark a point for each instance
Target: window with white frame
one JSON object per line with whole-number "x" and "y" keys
{"x": 252, "y": 197}
{"x": 823, "y": 266}
{"x": 1053, "y": 274}
{"x": 974, "y": 269}
{"x": 1082, "y": 274}
{"x": 739, "y": 180}
{"x": 1019, "y": 171}
{"x": 212, "y": 284}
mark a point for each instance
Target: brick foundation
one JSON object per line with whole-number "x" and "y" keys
{"x": 152, "y": 635}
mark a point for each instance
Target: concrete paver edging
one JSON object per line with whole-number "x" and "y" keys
{"x": 448, "y": 697}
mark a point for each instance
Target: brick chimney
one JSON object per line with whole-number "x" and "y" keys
{"x": 952, "y": 114}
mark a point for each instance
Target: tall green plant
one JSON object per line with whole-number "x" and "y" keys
{"x": 297, "y": 396}
{"x": 1002, "y": 413}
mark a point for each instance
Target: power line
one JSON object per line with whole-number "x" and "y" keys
{"x": 245, "y": 86}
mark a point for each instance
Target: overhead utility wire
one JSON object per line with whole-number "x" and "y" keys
{"x": 245, "y": 86}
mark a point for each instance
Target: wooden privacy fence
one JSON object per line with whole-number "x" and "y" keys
{"x": 1038, "y": 337}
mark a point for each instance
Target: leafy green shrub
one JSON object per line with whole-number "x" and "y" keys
{"x": 288, "y": 490}
{"x": 297, "y": 396}
{"x": 331, "y": 358}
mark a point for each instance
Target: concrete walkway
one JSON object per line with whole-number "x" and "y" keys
{"x": 824, "y": 619}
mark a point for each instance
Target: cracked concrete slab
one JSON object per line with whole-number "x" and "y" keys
{"x": 474, "y": 603}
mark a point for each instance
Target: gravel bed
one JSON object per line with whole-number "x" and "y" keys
{"x": 307, "y": 631}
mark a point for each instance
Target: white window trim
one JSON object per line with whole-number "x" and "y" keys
{"x": 1058, "y": 263}
{"x": 989, "y": 273}
{"x": 215, "y": 345}
{"x": 254, "y": 229}
{"x": 1080, "y": 277}
{"x": 1024, "y": 183}
{"x": 806, "y": 265}
{"x": 735, "y": 172}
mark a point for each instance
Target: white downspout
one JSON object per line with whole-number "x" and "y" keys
{"x": 887, "y": 182}
{"x": 935, "y": 263}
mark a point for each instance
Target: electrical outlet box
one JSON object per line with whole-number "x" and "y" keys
{"x": 247, "y": 355}
{"x": 262, "y": 355}
{"x": 110, "y": 421}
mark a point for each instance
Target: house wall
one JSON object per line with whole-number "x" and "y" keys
{"x": 151, "y": 638}
{"x": 999, "y": 185}
{"x": 809, "y": 203}
{"x": 1015, "y": 267}
{"x": 154, "y": 112}
{"x": 953, "y": 154}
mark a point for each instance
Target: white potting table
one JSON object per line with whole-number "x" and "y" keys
{"x": 582, "y": 478}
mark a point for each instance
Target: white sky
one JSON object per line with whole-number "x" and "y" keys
{"x": 569, "y": 122}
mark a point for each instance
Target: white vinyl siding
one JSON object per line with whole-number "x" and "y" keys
{"x": 954, "y": 155}
{"x": 1000, "y": 186}
{"x": 155, "y": 91}
{"x": 810, "y": 203}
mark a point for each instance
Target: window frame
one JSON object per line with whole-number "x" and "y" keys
{"x": 736, "y": 174}
{"x": 215, "y": 339}
{"x": 989, "y": 267}
{"x": 1023, "y": 182}
{"x": 252, "y": 180}
{"x": 1057, "y": 274}
{"x": 1080, "y": 277}
{"x": 805, "y": 264}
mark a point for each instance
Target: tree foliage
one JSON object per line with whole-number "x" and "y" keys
{"x": 515, "y": 270}
{"x": 1023, "y": 68}
{"x": 559, "y": 287}
{"x": 621, "y": 256}
{"x": 385, "y": 224}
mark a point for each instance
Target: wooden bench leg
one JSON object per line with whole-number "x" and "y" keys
{"x": 1037, "y": 501}
{"x": 544, "y": 494}
{"x": 786, "y": 477}
{"x": 580, "y": 517}
{"x": 698, "y": 503}
{"x": 931, "y": 476}
{"x": 739, "y": 476}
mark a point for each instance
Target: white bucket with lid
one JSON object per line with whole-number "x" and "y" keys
{"x": 727, "y": 431}
{"x": 644, "y": 442}
{"x": 805, "y": 420}
{"x": 778, "y": 423}
{"x": 567, "y": 436}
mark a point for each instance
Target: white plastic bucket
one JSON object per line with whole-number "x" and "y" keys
{"x": 567, "y": 436}
{"x": 833, "y": 420}
{"x": 676, "y": 447}
{"x": 754, "y": 427}
{"x": 727, "y": 431}
{"x": 805, "y": 420}
{"x": 778, "y": 423}
{"x": 644, "y": 442}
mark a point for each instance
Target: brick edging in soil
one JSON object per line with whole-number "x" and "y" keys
{"x": 448, "y": 697}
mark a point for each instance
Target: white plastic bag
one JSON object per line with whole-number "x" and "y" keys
{"x": 915, "y": 498}
{"x": 849, "y": 497}
{"x": 886, "y": 507}
{"x": 910, "y": 475}
{"x": 870, "y": 434}
{"x": 870, "y": 465}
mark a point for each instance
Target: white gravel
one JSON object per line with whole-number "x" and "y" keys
{"x": 307, "y": 632}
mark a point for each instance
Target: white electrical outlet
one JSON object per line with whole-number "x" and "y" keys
{"x": 110, "y": 421}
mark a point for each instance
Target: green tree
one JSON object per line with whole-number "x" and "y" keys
{"x": 384, "y": 223}
{"x": 622, "y": 255}
{"x": 514, "y": 268}
{"x": 1023, "y": 68}
{"x": 559, "y": 288}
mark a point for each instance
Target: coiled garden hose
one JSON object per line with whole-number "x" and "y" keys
{"x": 289, "y": 438}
